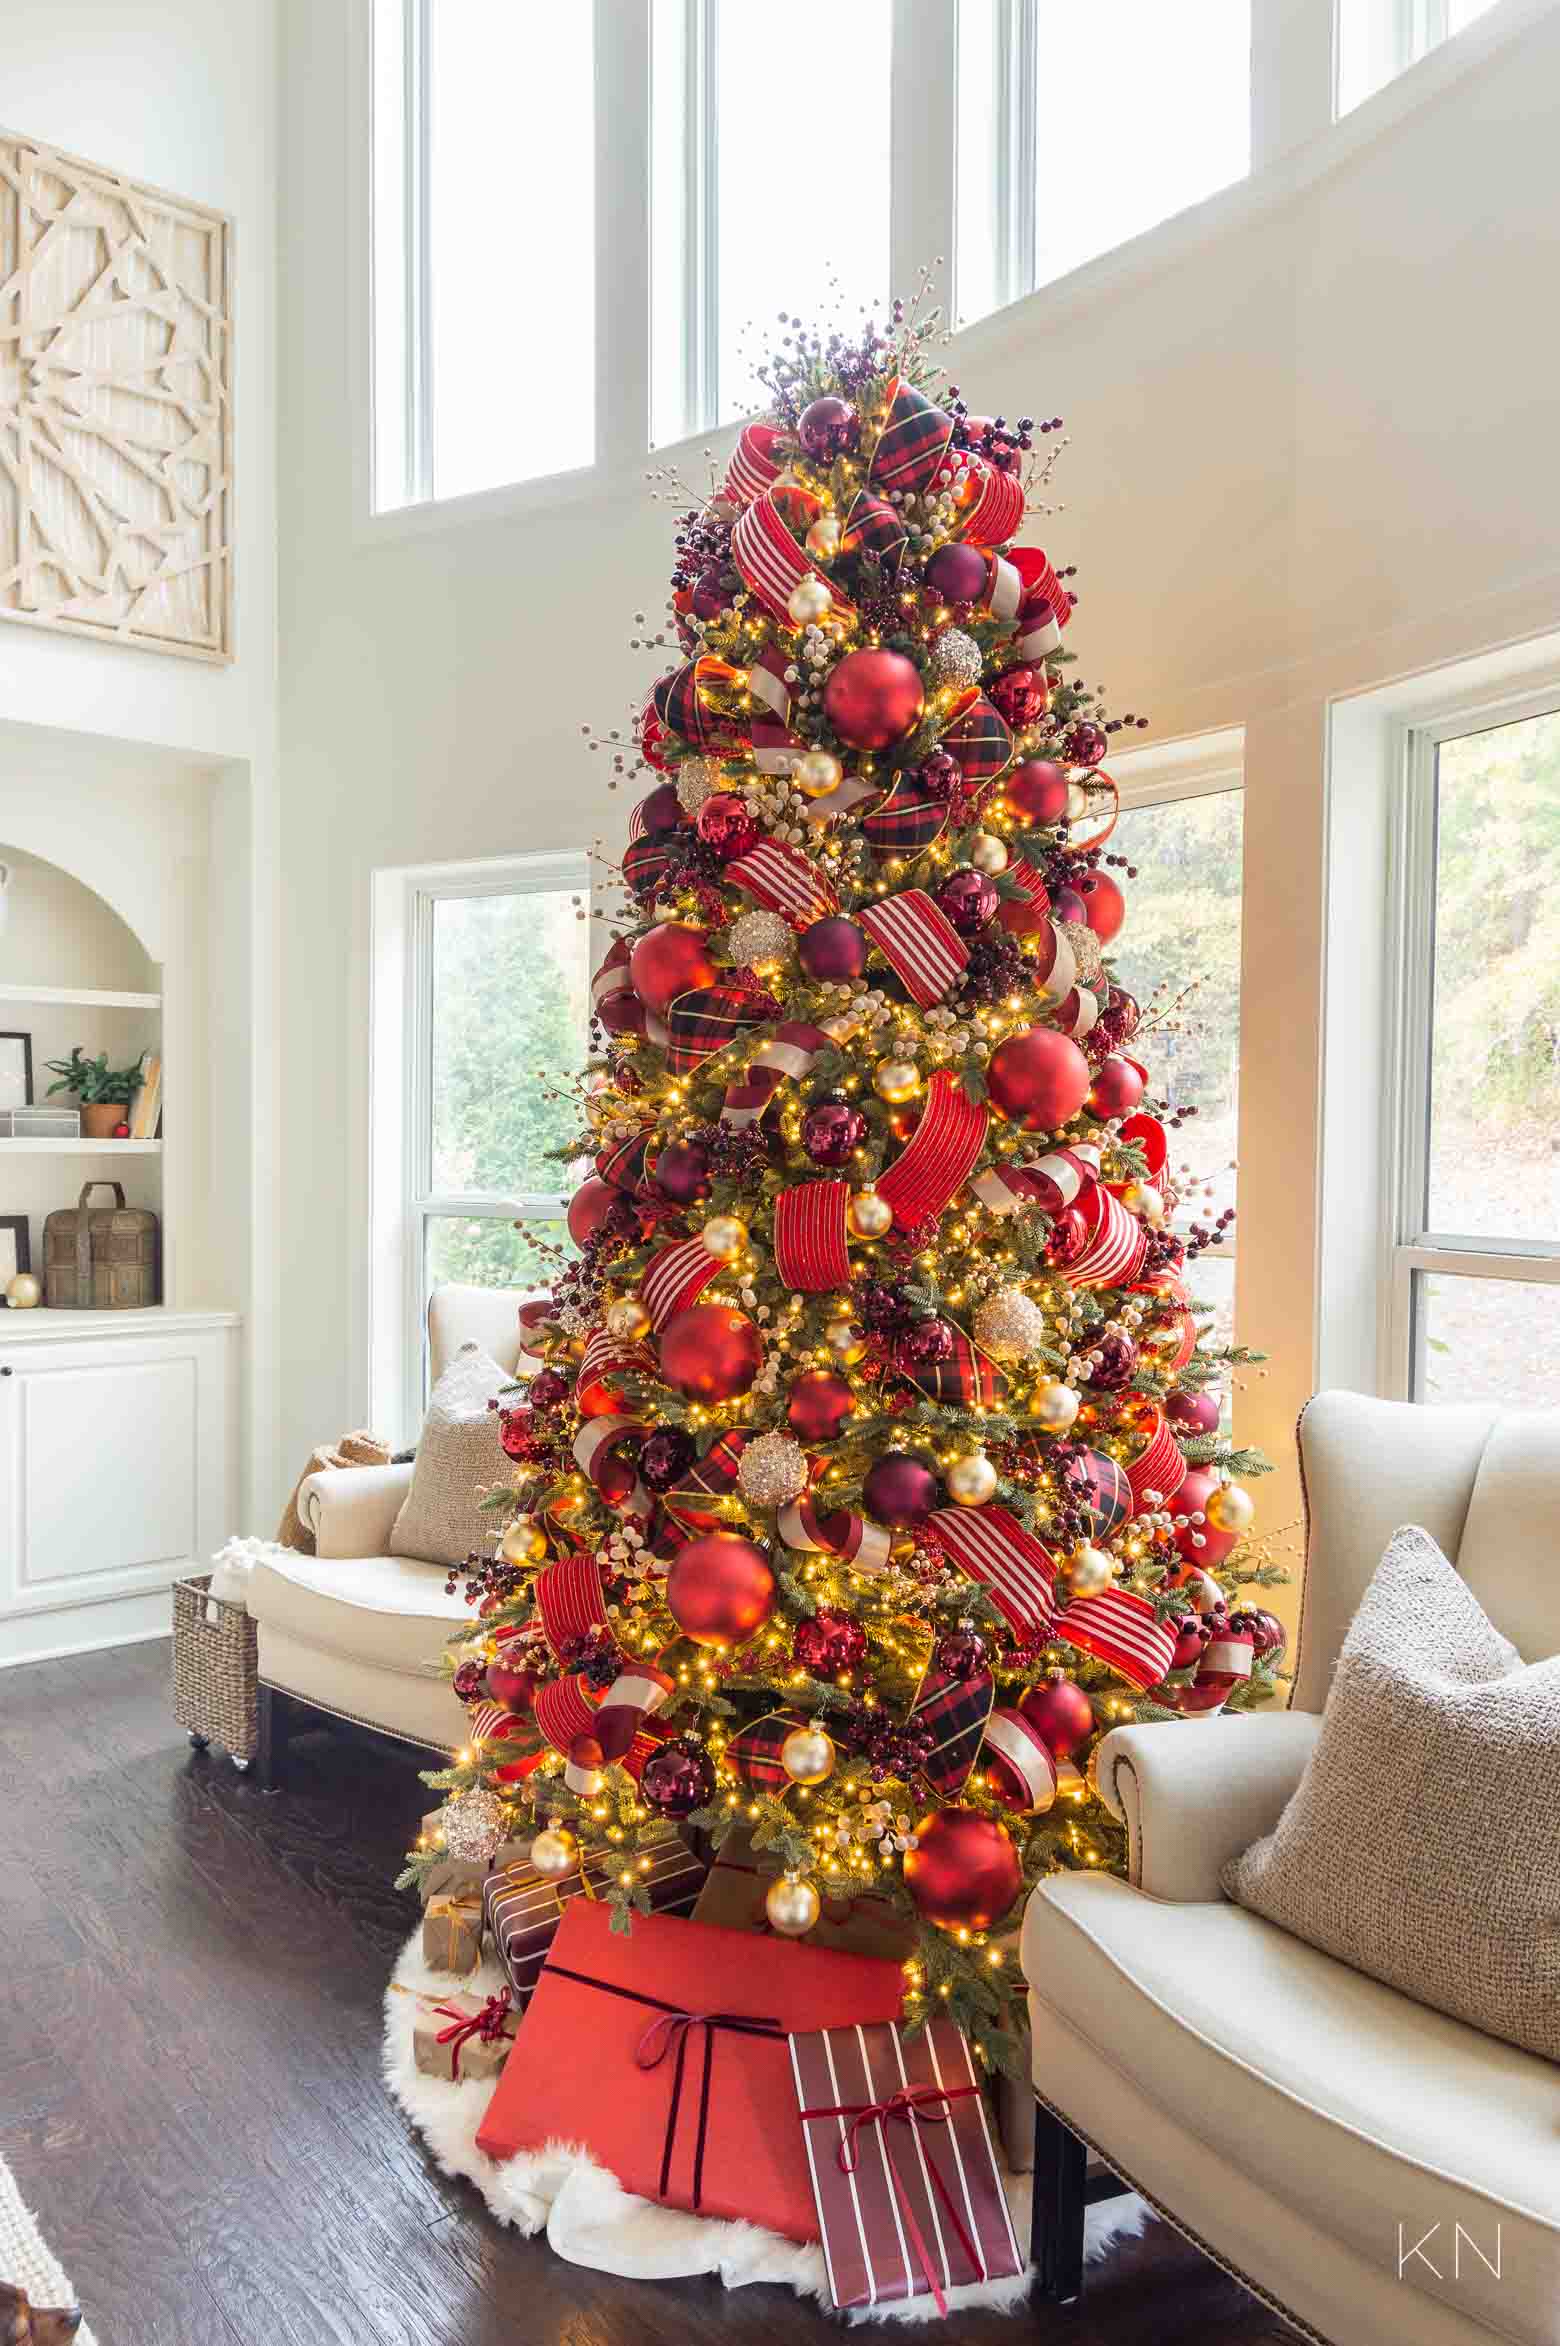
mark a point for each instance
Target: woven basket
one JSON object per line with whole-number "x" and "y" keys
{"x": 215, "y": 1670}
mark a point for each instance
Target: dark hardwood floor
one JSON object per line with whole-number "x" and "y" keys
{"x": 190, "y": 1985}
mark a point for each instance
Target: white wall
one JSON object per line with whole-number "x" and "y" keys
{"x": 183, "y": 93}
{"x": 1314, "y": 447}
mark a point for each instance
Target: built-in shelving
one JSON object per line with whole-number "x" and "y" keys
{"x": 80, "y": 998}
{"x": 79, "y": 1148}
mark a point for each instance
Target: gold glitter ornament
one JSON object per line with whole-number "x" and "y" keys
{"x": 773, "y": 1470}
{"x": 473, "y": 1824}
{"x": 1088, "y": 956}
{"x": 956, "y": 658}
{"x": 1009, "y": 1325}
{"x": 758, "y": 937}
{"x": 697, "y": 780}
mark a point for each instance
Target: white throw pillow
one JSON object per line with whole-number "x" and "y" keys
{"x": 458, "y": 1458}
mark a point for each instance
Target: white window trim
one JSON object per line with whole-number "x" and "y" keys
{"x": 402, "y": 1199}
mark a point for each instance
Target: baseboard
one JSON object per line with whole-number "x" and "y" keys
{"x": 85, "y": 1629}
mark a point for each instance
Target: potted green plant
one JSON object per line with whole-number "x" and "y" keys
{"x": 105, "y": 1092}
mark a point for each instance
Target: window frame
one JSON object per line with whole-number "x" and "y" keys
{"x": 1407, "y": 1247}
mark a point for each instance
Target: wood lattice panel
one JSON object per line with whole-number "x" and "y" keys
{"x": 116, "y": 417}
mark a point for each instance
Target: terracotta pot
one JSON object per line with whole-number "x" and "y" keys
{"x": 98, "y": 1118}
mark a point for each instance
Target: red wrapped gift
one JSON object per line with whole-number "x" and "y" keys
{"x": 663, "y": 2050}
{"x": 522, "y": 1907}
{"x": 903, "y": 2170}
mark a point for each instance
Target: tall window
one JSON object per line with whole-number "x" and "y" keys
{"x": 1474, "y": 1284}
{"x": 1379, "y": 39}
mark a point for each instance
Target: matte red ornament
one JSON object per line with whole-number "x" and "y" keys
{"x": 662, "y": 809}
{"x": 819, "y": 1406}
{"x": 970, "y": 901}
{"x": 833, "y": 950}
{"x": 874, "y": 698}
{"x": 682, "y": 1172}
{"x": 1038, "y": 1078}
{"x": 963, "y": 1870}
{"x": 513, "y": 1688}
{"x": 1022, "y": 695}
{"x": 1104, "y": 906}
{"x": 832, "y": 1131}
{"x": 724, "y": 823}
{"x": 710, "y": 1352}
{"x": 710, "y": 595}
{"x": 1060, "y": 1713}
{"x": 667, "y": 961}
{"x": 1191, "y": 1635}
{"x": 589, "y": 1208}
{"x": 957, "y": 573}
{"x": 1191, "y": 1499}
{"x": 720, "y": 1589}
{"x": 1037, "y": 790}
{"x": 1194, "y": 1413}
{"x": 1117, "y": 1087}
{"x": 828, "y": 1643}
{"x": 900, "y": 1490}
{"x": 1086, "y": 744}
{"x": 827, "y": 428}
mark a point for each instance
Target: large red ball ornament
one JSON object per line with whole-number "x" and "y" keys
{"x": 1060, "y": 1713}
{"x": 682, "y": 1172}
{"x": 1194, "y": 1413}
{"x": 1104, "y": 906}
{"x": 589, "y": 1207}
{"x": 662, "y": 809}
{"x": 957, "y": 573}
{"x": 513, "y": 1688}
{"x": 832, "y": 951}
{"x": 827, "y": 428}
{"x": 1086, "y": 744}
{"x": 710, "y": 1352}
{"x": 724, "y": 823}
{"x": 1038, "y": 1078}
{"x": 1022, "y": 696}
{"x": 963, "y": 1869}
{"x": 874, "y": 698}
{"x": 819, "y": 1406}
{"x": 1037, "y": 790}
{"x": 720, "y": 1589}
{"x": 1117, "y": 1087}
{"x": 666, "y": 962}
{"x": 900, "y": 1490}
{"x": 1191, "y": 1499}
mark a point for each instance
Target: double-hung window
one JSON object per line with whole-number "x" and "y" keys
{"x": 1376, "y": 40}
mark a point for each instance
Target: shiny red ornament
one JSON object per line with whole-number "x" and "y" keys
{"x": 515, "y": 1689}
{"x": 832, "y": 951}
{"x": 874, "y": 698}
{"x": 1069, "y": 1237}
{"x": 1022, "y": 696}
{"x": 662, "y": 809}
{"x": 832, "y": 1131}
{"x": 720, "y": 1589}
{"x": 957, "y": 573}
{"x": 1267, "y": 1633}
{"x": 963, "y": 1870}
{"x": 961, "y": 1653}
{"x": 819, "y": 1405}
{"x": 1038, "y": 1078}
{"x": 970, "y": 901}
{"x": 1060, "y": 1713}
{"x": 724, "y": 823}
{"x": 710, "y": 1352}
{"x": 1067, "y": 904}
{"x": 828, "y": 1643}
{"x": 1113, "y": 1359}
{"x": 515, "y": 1436}
{"x": 682, "y": 1172}
{"x": 1193, "y": 1413}
{"x": 927, "y": 1342}
{"x": 1086, "y": 744}
{"x": 828, "y": 427}
{"x": 1117, "y": 1087}
{"x": 546, "y": 1388}
{"x": 1104, "y": 906}
{"x": 941, "y": 776}
{"x": 1191, "y": 1499}
{"x": 899, "y": 1490}
{"x": 666, "y": 962}
{"x": 1036, "y": 790}
{"x": 677, "y": 1779}
{"x": 589, "y": 1207}
{"x": 1121, "y": 1017}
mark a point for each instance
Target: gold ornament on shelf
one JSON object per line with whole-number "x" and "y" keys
{"x": 1054, "y": 1406}
{"x": 792, "y": 1907}
{"x": 817, "y": 773}
{"x": 773, "y": 1470}
{"x": 989, "y": 854}
{"x": 1089, "y": 1570}
{"x": 810, "y": 599}
{"x": 524, "y": 1541}
{"x": 895, "y": 1080}
{"x": 724, "y": 1236}
{"x": 1009, "y": 1325}
{"x": 1143, "y": 1199}
{"x": 823, "y": 539}
{"x": 971, "y": 1480}
{"x": 868, "y": 1215}
{"x": 627, "y": 1319}
{"x": 845, "y": 1340}
{"x": 1230, "y": 1509}
{"x": 555, "y": 1853}
{"x": 807, "y": 1755}
{"x": 24, "y": 1292}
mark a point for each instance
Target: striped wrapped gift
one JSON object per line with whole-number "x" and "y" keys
{"x": 522, "y": 1907}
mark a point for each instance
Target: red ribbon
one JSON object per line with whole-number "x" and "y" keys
{"x": 911, "y": 2106}
{"x": 488, "y": 2025}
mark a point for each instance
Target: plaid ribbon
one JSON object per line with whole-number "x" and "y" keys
{"x": 939, "y": 1154}
{"x": 714, "y": 1476}
{"x": 623, "y": 1164}
{"x": 1015, "y": 1569}
{"x": 569, "y": 1600}
{"x": 997, "y": 507}
{"x": 967, "y": 1377}
{"x": 912, "y": 443}
{"x": 979, "y": 739}
{"x": 909, "y": 819}
{"x": 1022, "y": 1759}
{"x": 1100, "y": 1487}
{"x": 1119, "y": 1628}
{"x": 755, "y": 1752}
{"x": 810, "y": 1249}
{"x": 647, "y": 861}
{"x": 1158, "y": 1467}
{"x": 918, "y": 941}
{"x": 789, "y": 1051}
{"x": 786, "y": 881}
{"x": 674, "y": 1278}
{"x": 702, "y": 700}
{"x": 955, "y": 1711}
{"x": 873, "y": 526}
{"x": 707, "y": 1018}
{"x": 754, "y": 466}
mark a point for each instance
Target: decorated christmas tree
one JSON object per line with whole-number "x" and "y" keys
{"x": 872, "y": 1462}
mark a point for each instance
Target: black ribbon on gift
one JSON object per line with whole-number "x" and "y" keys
{"x": 668, "y": 2033}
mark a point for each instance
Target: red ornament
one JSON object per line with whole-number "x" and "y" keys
{"x": 832, "y": 950}
{"x": 899, "y": 1490}
{"x": 666, "y": 962}
{"x": 1113, "y": 1359}
{"x": 828, "y": 1644}
{"x": 720, "y": 1590}
{"x": 513, "y": 1688}
{"x": 957, "y": 573}
{"x": 1202, "y": 1544}
{"x": 515, "y": 1436}
{"x": 682, "y": 1172}
{"x": 961, "y": 1654}
{"x": 1191, "y": 1635}
{"x": 941, "y": 776}
{"x": 677, "y": 1779}
{"x": 832, "y": 1130}
{"x": 970, "y": 901}
{"x": 662, "y": 810}
{"x": 927, "y": 1342}
{"x": 818, "y": 1406}
{"x": 724, "y": 823}
{"x": 710, "y": 595}
{"x": 589, "y": 1207}
{"x": 1022, "y": 695}
{"x": 1116, "y": 1089}
{"x": 1194, "y": 1413}
{"x": 1037, "y": 790}
{"x": 1060, "y": 1713}
{"x": 710, "y": 1352}
{"x": 1104, "y": 906}
{"x": 827, "y": 428}
{"x": 963, "y": 1869}
{"x": 1267, "y": 1633}
{"x": 546, "y": 1388}
{"x": 874, "y": 698}
{"x": 1068, "y": 904}
{"x": 1038, "y": 1078}
{"x": 1086, "y": 744}
{"x": 1069, "y": 1237}
{"x": 121, "y": 1130}
{"x": 1121, "y": 1017}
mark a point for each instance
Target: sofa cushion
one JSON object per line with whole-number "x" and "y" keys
{"x": 458, "y": 1457}
{"x": 1363, "y": 2110}
{"x": 1452, "y": 1895}
{"x": 388, "y": 1611}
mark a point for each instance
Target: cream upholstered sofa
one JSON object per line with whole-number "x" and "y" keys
{"x": 352, "y": 1632}
{"x": 1380, "y": 2174}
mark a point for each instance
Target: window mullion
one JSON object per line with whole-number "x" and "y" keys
{"x": 923, "y": 145}
{"x": 701, "y": 143}
{"x": 419, "y": 282}
{"x": 622, "y": 144}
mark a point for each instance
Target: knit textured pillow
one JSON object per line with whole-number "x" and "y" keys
{"x": 1422, "y": 1844}
{"x": 457, "y": 1458}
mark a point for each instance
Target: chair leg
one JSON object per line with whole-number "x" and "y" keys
{"x": 1057, "y": 2219}
{"x": 271, "y": 1754}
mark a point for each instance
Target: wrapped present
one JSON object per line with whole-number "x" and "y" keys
{"x": 459, "y": 1877}
{"x": 452, "y": 1933}
{"x": 523, "y": 1907}
{"x": 463, "y": 2036}
{"x": 851, "y": 1923}
{"x": 909, "y": 2200}
{"x": 688, "y": 2088}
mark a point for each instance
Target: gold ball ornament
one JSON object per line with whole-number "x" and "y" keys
{"x": 1230, "y": 1509}
{"x": 1089, "y": 1570}
{"x": 896, "y": 1079}
{"x": 845, "y": 1340}
{"x": 988, "y": 853}
{"x": 810, "y": 599}
{"x": 627, "y": 1319}
{"x": 697, "y": 780}
{"x": 792, "y": 1907}
{"x": 1143, "y": 1199}
{"x": 971, "y": 1481}
{"x": 724, "y": 1236}
{"x": 24, "y": 1292}
{"x": 1054, "y": 1406}
{"x": 524, "y": 1541}
{"x": 807, "y": 1755}
{"x": 817, "y": 773}
{"x": 772, "y": 1471}
{"x": 823, "y": 539}
{"x": 868, "y": 1215}
{"x": 760, "y": 939}
{"x": 555, "y": 1853}
{"x": 1009, "y": 1325}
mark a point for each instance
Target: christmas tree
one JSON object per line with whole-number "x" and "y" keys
{"x": 872, "y": 1463}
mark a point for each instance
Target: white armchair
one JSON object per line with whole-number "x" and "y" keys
{"x": 1381, "y": 2175}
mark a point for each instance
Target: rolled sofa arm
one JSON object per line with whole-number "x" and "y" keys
{"x": 351, "y": 1509}
{"x": 1194, "y": 1796}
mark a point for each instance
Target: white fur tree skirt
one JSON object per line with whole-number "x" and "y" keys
{"x": 590, "y": 2220}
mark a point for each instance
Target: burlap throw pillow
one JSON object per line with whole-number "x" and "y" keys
{"x": 1422, "y": 1844}
{"x": 458, "y": 1457}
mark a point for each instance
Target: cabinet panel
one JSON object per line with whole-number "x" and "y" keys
{"x": 108, "y": 1465}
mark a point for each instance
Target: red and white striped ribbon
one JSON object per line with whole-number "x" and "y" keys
{"x": 998, "y": 506}
{"x": 784, "y": 880}
{"x": 1046, "y": 607}
{"x": 919, "y": 942}
{"x": 675, "y": 1278}
{"x": 1119, "y": 1628}
{"x": 754, "y": 466}
{"x": 767, "y": 684}
{"x": 936, "y": 1160}
{"x": 1005, "y": 1189}
{"x": 491, "y": 1723}
{"x": 992, "y": 1547}
{"x": 772, "y": 564}
{"x": 1034, "y": 887}
{"x": 637, "y": 826}
{"x": 569, "y": 1599}
{"x": 790, "y": 1051}
{"x": 594, "y": 1447}
{"x": 1062, "y": 1176}
{"x": 1159, "y": 1468}
{"x": 1003, "y": 591}
{"x": 776, "y": 749}
{"x": 1117, "y": 1244}
{"x": 631, "y": 1698}
{"x": 563, "y": 1710}
{"x": 604, "y": 1356}
{"x": 842, "y": 1533}
{"x": 1078, "y": 1011}
{"x": 810, "y": 1244}
{"x": 1022, "y": 1756}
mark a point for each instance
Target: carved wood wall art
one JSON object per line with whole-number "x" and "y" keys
{"x": 116, "y": 413}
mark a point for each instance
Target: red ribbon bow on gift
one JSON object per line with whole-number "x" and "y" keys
{"x": 911, "y": 2106}
{"x": 488, "y": 2025}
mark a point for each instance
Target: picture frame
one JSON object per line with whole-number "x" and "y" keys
{"x": 15, "y": 1248}
{"x": 16, "y": 1071}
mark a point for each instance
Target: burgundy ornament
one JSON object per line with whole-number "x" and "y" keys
{"x": 1060, "y": 1713}
{"x": 819, "y": 1405}
{"x": 589, "y": 1208}
{"x": 515, "y": 1689}
{"x": 469, "y": 1682}
{"x": 682, "y": 1172}
{"x": 827, "y": 428}
{"x": 677, "y": 1779}
{"x": 900, "y": 1490}
{"x": 957, "y": 573}
{"x": 832, "y": 951}
{"x": 1036, "y": 790}
{"x": 941, "y": 776}
{"x": 1191, "y": 1636}
{"x": 662, "y": 809}
{"x": 1067, "y": 904}
{"x": 832, "y": 1130}
{"x": 1194, "y": 1413}
{"x": 1086, "y": 744}
{"x": 874, "y": 698}
{"x": 710, "y": 595}
{"x": 1120, "y": 1018}
{"x": 970, "y": 901}
{"x": 1116, "y": 1089}
{"x": 547, "y": 1388}
{"x": 961, "y": 1654}
{"x": 1022, "y": 695}
{"x": 828, "y": 1644}
{"x": 1113, "y": 1360}
{"x": 1267, "y": 1633}
{"x": 724, "y": 823}
{"x": 665, "y": 1458}
{"x": 515, "y": 1436}
{"x": 1069, "y": 1238}
{"x": 927, "y": 1342}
